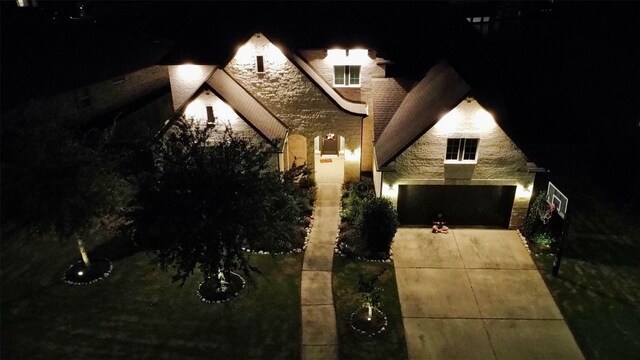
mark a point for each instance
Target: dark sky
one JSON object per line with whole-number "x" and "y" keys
{"x": 570, "y": 76}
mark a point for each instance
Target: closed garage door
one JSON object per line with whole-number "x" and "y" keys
{"x": 461, "y": 205}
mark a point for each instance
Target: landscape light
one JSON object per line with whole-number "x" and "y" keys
{"x": 190, "y": 72}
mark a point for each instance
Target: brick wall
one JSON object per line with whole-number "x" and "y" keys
{"x": 499, "y": 161}
{"x": 294, "y": 98}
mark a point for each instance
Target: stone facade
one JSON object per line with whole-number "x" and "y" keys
{"x": 301, "y": 94}
{"x": 186, "y": 80}
{"x": 294, "y": 98}
{"x": 224, "y": 116}
{"x": 499, "y": 161}
{"x": 371, "y": 67}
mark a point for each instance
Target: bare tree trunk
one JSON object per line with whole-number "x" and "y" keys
{"x": 370, "y": 313}
{"x": 222, "y": 281}
{"x": 83, "y": 252}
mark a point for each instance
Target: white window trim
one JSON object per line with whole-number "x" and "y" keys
{"x": 345, "y": 77}
{"x": 451, "y": 161}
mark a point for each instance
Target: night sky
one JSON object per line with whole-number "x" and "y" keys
{"x": 568, "y": 77}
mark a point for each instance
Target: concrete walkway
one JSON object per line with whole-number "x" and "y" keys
{"x": 476, "y": 294}
{"x": 319, "y": 332}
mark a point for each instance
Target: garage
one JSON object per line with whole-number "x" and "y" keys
{"x": 461, "y": 205}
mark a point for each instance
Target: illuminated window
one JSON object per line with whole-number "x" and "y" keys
{"x": 462, "y": 150}
{"x": 260, "y": 63}
{"x": 481, "y": 23}
{"x": 346, "y": 75}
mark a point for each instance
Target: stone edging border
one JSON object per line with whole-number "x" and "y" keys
{"x": 293, "y": 251}
{"x": 99, "y": 278}
{"x": 383, "y": 328}
{"x": 524, "y": 241}
{"x": 244, "y": 283}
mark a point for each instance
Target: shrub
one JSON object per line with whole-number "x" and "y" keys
{"x": 352, "y": 202}
{"x": 532, "y": 223}
{"x": 542, "y": 239}
{"x": 377, "y": 225}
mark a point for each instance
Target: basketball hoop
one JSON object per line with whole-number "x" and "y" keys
{"x": 545, "y": 210}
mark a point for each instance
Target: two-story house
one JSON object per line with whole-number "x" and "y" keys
{"x": 430, "y": 146}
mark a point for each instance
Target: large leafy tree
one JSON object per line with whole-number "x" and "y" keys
{"x": 211, "y": 193}
{"x": 54, "y": 178}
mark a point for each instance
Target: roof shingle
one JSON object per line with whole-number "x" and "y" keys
{"x": 387, "y": 96}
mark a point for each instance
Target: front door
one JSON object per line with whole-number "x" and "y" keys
{"x": 330, "y": 145}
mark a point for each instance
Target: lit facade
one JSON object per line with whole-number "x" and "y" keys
{"x": 325, "y": 101}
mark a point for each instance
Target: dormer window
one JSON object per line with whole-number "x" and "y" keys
{"x": 346, "y": 75}
{"x": 260, "y": 64}
{"x": 461, "y": 150}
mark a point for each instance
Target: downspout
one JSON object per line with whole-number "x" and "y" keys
{"x": 361, "y": 147}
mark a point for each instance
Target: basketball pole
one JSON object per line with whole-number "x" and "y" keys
{"x": 561, "y": 246}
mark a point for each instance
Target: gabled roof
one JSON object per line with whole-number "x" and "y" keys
{"x": 387, "y": 96}
{"x": 247, "y": 106}
{"x": 438, "y": 92}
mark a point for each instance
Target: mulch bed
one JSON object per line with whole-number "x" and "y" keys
{"x": 207, "y": 291}
{"x": 80, "y": 274}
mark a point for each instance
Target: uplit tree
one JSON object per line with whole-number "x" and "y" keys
{"x": 370, "y": 292}
{"x": 210, "y": 194}
{"x": 55, "y": 180}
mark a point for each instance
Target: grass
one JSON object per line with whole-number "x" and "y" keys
{"x": 390, "y": 344}
{"x": 598, "y": 288}
{"x": 137, "y": 313}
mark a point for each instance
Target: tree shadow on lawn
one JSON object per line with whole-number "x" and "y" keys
{"x": 600, "y": 306}
{"x": 605, "y": 249}
{"x": 598, "y": 288}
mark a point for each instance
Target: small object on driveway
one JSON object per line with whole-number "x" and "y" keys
{"x": 439, "y": 225}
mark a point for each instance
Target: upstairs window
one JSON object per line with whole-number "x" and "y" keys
{"x": 260, "y": 63}
{"x": 462, "y": 149}
{"x": 346, "y": 75}
{"x": 481, "y": 23}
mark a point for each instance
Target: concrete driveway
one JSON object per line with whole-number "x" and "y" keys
{"x": 476, "y": 294}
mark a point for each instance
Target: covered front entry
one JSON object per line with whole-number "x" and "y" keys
{"x": 461, "y": 205}
{"x": 329, "y": 159}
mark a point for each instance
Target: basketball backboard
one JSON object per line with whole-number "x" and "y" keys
{"x": 557, "y": 198}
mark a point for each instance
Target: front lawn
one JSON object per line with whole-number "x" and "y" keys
{"x": 390, "y": 344}
{"x": 598, "y": 290}
{"x": 137, "y": 313}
